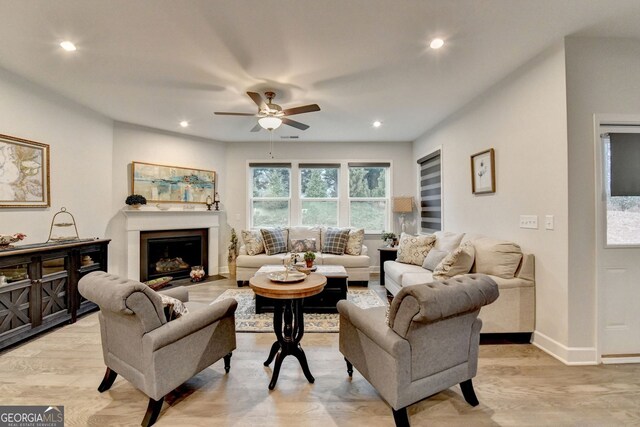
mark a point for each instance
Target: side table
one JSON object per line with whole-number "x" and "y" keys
{"x": 386, "y": 254}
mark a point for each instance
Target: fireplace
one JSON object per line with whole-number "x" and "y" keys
{"x": 172, "y": 252}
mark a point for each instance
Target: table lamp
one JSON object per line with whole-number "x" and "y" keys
{"x": 402, "y": 205}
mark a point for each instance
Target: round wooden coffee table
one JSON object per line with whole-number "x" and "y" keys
{"x": 288, "y": 305}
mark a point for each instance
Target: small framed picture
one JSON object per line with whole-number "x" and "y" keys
{"x": 483, "y": 172}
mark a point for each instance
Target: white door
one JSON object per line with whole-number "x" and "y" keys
{"x": 618, "y": 249}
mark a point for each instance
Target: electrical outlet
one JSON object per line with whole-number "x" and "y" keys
{"x": 529, "y": 221}
{"x": 548, "y": 222}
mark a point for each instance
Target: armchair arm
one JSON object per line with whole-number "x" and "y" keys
{"x": 177, "y": 329}
{"x": 384, "y": 337}
{"x": 180, "y": 293}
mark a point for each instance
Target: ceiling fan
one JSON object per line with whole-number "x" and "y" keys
{"x": 271, "y": 115}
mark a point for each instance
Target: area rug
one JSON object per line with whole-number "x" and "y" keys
{"x": 248, "y": 321}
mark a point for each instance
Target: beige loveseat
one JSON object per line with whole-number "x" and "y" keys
{"x": 513, "y": 312}
{"x": 357, "y": 266}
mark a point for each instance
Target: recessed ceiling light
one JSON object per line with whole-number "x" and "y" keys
{"x": 184, "y": 123}
{"x": 68, "y": 46}
{"x": 436, "y": 43}
{"x": 377, "y": 124}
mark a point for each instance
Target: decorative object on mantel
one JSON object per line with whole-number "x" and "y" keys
{"x": 189, "y": 208}
{"x": 7, "y": 239}
{"x": 175, "y": 184}
{"x": 63, "y": 222}
{"x": 197, "y": 273}
{"x": 483, "y": 172}
{"x": 216, "y": 200}
{"x": 402, "y": 205}
{"x": 209, "y": 203}
{"x": 135, "y": 201}
{"x": 24, "y": 181}
{"x": 389, "y": 238}
{"x": 163, "y": 207}
{"x": 233, "y": 252}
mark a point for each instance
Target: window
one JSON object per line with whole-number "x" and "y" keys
{"x": 319, "y": 194}
{"x": 369, "y": 196}
{"x": 430, "y": 193}
{"x": 270, "y": 195}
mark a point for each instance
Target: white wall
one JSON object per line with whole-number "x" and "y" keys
{"x": 234, "y": 197}
{"x": 602, "y": 78}
{"x": 524, "y": 119}
{"x": 142, "y": 144}
{"x": 80, "y": 145}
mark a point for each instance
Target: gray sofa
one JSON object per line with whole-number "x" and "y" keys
{"x": 514, "y": 311}
{"x": 429, "y": 343}
{"x": 357, "y": 266}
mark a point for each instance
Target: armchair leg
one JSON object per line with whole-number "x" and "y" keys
{"x": 401, "y": 417}
{"x": 107, "y": 381}
{"x": 349, "y": 367}
{"x": 468, "y": 393}
{"x": 153, "y": 410}
{"x": 227, "y": 363}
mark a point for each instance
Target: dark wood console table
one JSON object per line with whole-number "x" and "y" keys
{"x": 39, "y": 285}
{"x": 386, "y": 254}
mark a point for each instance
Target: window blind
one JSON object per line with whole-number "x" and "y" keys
{"x": 625, "y": 164}
{"x": 430, "y": 193}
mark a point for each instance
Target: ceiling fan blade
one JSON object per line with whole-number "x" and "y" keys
{"x": 255, "y": 96}
{"x": 299, "y": 110}
{"x": 221, "y": 113}
{"x": 256, "y": 128}
{"x": 295, "y": 124}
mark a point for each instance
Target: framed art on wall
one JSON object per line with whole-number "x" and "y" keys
{"x": 24, "y": 173}
{"x": 483, "y": 172}
{"x": 175, "y": 184}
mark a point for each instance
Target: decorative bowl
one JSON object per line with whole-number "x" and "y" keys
{"x": 287, "y": 277}
{"x": 7, "y": 239}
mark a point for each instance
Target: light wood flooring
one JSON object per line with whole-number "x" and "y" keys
{"x": 516, "y": 385}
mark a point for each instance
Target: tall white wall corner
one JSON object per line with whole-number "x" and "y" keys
{"x": 572, "y": 356}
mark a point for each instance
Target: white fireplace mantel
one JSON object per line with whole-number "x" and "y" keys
{"x": 150, "y": 220}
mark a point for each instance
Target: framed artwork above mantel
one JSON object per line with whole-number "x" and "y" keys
{"x": 24, "y": 173}
{"x": 172, "y": 184}
{"x": 483, "y": 172}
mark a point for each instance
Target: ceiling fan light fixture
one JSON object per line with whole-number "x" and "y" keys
{"x": 270, "y": 123}
{"x": 436, "y": 43}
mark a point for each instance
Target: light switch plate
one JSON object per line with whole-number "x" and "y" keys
{"x": 529, "y": 221}
{"x": 548, "y": 222}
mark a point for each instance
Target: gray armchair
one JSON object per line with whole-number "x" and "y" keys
{"x": 138, "y": 343}
{"x": 430, "y": 343}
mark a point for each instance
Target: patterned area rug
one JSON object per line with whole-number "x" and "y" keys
{"x": 248, "y": 321}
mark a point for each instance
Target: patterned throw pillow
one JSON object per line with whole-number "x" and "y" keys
{"x": 303, "y": 245}
{"x": 275, "y": 240}
{"x": 173, "y": 307}
{"x": 414, "y": 249}
{"x": 457, "y": 262}
{"x": 335, "y": 241}
{"x": 354, "y": 243}
{"x": 252, "y": 242}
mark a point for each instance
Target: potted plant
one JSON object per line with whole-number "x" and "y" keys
{"x": 135, "y": 201}
{"x": 389, "y": 237}
{"x": 233, "y": 252}
{"x": 309, "y": 257}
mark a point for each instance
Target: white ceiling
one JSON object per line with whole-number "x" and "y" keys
{"x": 155, "y": 63}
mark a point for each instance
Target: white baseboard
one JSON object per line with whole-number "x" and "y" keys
{"x": 568, "y": 355}
{"x": 619, "y": 360}
{"x": 223, "y": 270}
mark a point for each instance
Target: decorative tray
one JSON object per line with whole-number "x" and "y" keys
{"x": 283, "y": 277}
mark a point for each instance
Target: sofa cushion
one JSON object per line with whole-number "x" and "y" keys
{"x": 447, "y": 241}
{"x": 253, "y": 243}
{"x": 347, "y": 261}
{"x": 303, "y": 245}
{"x": 302, "y": 232}
{"x": 335, "y": 240}
{"x": 422, "y": 278}
{"x": 414, "y": 249}
{"x": 259, "y": 260}
{"x": 497, "y": 257}
{"x": 433, "y": 258}
{"x": 275, "y": 240}
{"x": 457, "y": 262}
{"x": 354, "y": 242}
{"x": 396, "y": 270}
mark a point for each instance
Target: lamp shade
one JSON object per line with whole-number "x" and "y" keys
{"x": 270, "y": 123}
{"x": 403, "y": 204}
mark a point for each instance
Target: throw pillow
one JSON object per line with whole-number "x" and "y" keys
{"x": 173, "y": 307}
{"x": 433, "y": 258}
{"x": 414, "y": 249}
{"x": 303, "y": 245}
{"x": 497, "y": 257}
{"x": 447, "y": 241}
{"x": 252, "y": 242}
{"x": 335, "y": 241}
{"x": 354, "y": 242}
{"x": 457, "y": 262}
{"x": 275, "y": 240}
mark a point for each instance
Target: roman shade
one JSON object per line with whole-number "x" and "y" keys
{"x": 625, "y": 164}
{"x": 430, "y": 193}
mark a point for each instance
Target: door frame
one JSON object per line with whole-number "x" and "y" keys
{"x": 599, "y": 121}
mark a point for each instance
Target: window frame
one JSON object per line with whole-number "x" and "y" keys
{"x": 386, "y": 198}
{"x": 252, "y": 198}
{"x": 301, "y": 199}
